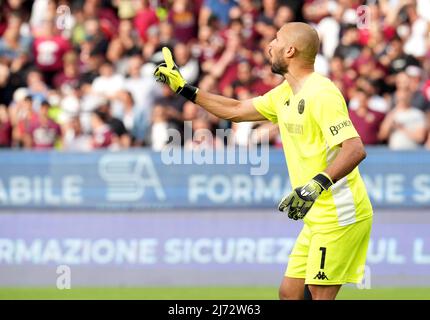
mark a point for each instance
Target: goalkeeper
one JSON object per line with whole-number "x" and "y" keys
{"x": 322, "y": 150}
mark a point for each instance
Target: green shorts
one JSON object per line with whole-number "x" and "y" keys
{"x": 329, "y": 257}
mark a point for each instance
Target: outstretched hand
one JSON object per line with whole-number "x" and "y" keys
{"x": 168, "y": 72}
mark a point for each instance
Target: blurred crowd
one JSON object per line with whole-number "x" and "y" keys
{"x": 77, "y": 75}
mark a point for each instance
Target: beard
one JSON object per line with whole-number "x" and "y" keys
{"x": 279, "y": 67}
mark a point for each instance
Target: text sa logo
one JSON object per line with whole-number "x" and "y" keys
{"x": 127, "y": 177}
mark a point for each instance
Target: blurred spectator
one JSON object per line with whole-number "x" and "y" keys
{"x": 95, "y": 40}
{"x": 108, "y": 83}
{"x": 102, "y": 134}
{"x": 24, "y": 119}
{"x": 188, "y": 66}
{"x": 42, "y": 10}
{"x": 245, "y": 82}
{"x": 203, "y": 137}
{"x": 5, "y": 128}
{"x": 366, "y": 121}
{"x": 48, "y": 49}
{"x": 14, "y": 47}
{"x": 6, "y": 87}
{"x": 121, "y": 136}
{"x": 265, "y": 21}
{"x": 404, "y": 127}
{"x": 371, "y": 87}
{"x": 74, "y": 139}
{"x": 218, "y": 9}
{"x": 37, "y": 88}
{"x": 416, "y": 86}
{"x": 42, "y": 132}
{"x": 172, "y": 108}
{"x": 349, "y": 48}
{"x": 415, "y": 43}
{"x": 70, "y": 75}
{"x": 159, "y": 133}
{"x": 91, "y": 63}
{"x": 109, "y": 50}
{"x": 395, "y": 59}
{"x": 411, "y": 80}
{"x": 145, "y": 18}
{"x": 134, "y": 118}
{"x": 124, "y": 45}
{"x": 182, "y": 17}
{"x": 104, "y": 14}
{"x": 143, "y": 88}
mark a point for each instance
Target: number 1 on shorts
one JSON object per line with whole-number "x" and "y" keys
{"x": 323, "y": 249}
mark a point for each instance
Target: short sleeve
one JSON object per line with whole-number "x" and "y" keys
{"x": 331, "y": 115}
{"x": 265, "y": 105}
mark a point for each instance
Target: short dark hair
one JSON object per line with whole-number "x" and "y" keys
{"x": 101, "y": 115}
{"x": 45, "y": 103}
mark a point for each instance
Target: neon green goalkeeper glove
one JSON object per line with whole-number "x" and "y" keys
{"x": 168, "y": 73}
{"x": 300, "y": 201}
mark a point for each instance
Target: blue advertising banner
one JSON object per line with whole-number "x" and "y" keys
{"x": 141, "y": 179}
{"x": 183, "y": 248}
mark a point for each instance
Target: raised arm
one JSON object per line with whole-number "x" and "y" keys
{"x": 227, "y": 108}
{"x": 222, "y": 107}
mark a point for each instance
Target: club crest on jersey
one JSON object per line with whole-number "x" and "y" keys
{"x": 301, "y": 106}
{"x": 287, "y": 103}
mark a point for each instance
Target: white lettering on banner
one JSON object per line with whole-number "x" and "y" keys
{"x": 246, "y": 249}
{"x": 72, "y": 185}
{"x": 265, "y": 252}
{"x": 286, "y": 246}
{"x": 395, "y": 188}
{"x": 384, "y": 250}
{"x": 386, "y": 187}
{"x": 375, "y": 186}
{"x": 51, "y": 197}
{"x": 230, "y": 250}
{"x": 19, "y": 190}
{"x": 392, "y": 256}
{"x": 222, "y": 253}
{"x": 127, "y": 176}
{"x": 71, "y": 255}
{"x": 6, "y": 251}
{"x": 421, "y": 183}
{"x": 86, "y": 251}
{"x": 419, "y": 256}
{"x": 241, "y": 189}
{"x": 74, "y": 251}
{"x": 31, "y": 253}
{"x": 52, "y": 252}
{"x": 201, "y": 250}
{"x": 22, "y": 190}
{"x": 219, "y": 188}
{"x": 103, "y": 251}
{"x": 148, "y": 251}
{"x": 376, "y": 251}
{"x": 174, "y": 251}
{"x": 126, "y": 251}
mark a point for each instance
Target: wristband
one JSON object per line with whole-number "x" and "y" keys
{"x": 324, "y": 180}
{"x": 189, "y": 92}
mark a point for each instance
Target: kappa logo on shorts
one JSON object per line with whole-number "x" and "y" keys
{"x": 321, "y": 276}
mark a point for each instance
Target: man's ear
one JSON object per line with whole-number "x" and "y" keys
{"x": 290, "y": 51}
